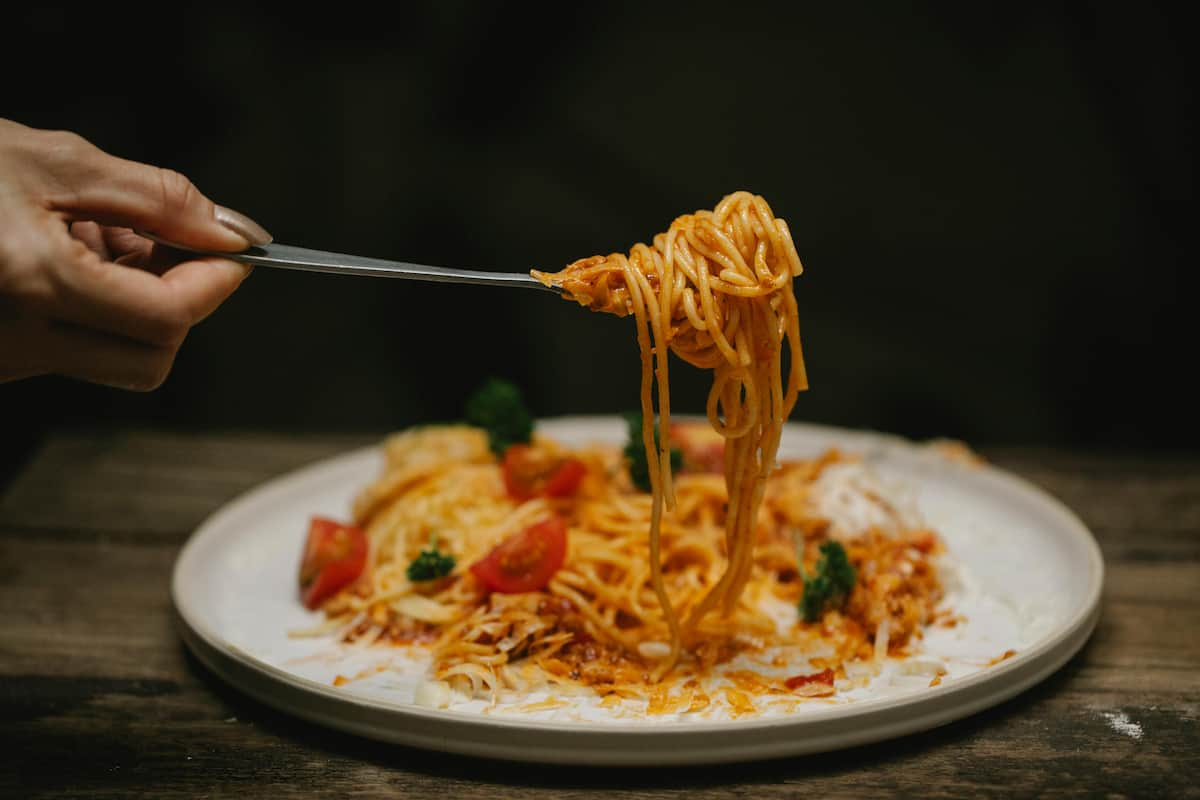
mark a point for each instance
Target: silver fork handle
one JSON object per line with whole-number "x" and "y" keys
{"x": 288, "y": 256}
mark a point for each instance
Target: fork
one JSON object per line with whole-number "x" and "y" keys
{"x": 288, "y": 256}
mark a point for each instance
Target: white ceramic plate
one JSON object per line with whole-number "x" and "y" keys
{"x": 1034, "y": 571}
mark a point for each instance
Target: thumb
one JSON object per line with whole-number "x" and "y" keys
{"x": 84, "y": 182}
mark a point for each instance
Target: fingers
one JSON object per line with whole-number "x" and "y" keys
{"x": 140, "y": 305}
{"x": 112, "y": 324}
{"x": 84, "y": 182}
{"x": 126, "y": 247}
{"x": 32, "y": 346}
{"x": 108, "y": 360}
{"x": 97, "y": 301}
{"x": 203, "y": 284}
{"x": 65, "y": 280}
{"x": 94, "y": 237}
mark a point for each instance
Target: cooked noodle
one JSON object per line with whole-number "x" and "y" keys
{"x": 715, "y": 289}
{"x": 655, "y": 588}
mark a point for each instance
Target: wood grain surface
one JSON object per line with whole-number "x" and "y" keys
{"x": 99, "y": 698}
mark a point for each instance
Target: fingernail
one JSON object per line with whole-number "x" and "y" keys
{"x": 243, "y": 226}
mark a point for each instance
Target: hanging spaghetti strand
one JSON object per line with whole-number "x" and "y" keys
{"x": 715, "y": 289}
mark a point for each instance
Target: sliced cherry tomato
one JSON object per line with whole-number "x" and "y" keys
{"x": 566, "y": 479}
{"x": 525, "y": 561}
{"x": 703, "y": 448}
{"x": 334, "y": 556}
{"x": 825, "y": 677}
{"x": 529, "y": 473}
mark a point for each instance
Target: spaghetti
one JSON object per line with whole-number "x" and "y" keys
{"x": 715, "y": 289}
{"x": 644, "y": 594}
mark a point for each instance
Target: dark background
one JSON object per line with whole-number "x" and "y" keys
{"x": 991, "y": 203}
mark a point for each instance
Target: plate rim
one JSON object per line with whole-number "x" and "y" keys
{"x": 623, "y": 743}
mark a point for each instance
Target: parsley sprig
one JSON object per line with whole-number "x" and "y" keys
{"x": 635, "y": 453}
{"x": 831, "y": 583}
{"x": 499, "y": 409}
{"x": 430, "y": 564}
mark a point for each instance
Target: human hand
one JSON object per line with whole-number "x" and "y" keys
{"x": 82, "y": 294}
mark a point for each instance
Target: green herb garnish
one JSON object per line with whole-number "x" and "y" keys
{"x": 635, "y": 453}
{"x": 430, "y": 564}
{"x": 498, "y": 408}
{"x": 830, "y": 585}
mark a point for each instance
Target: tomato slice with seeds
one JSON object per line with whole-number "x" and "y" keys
{"x": 334, "y": 556}
{"x": 529, "y": 473}
{"x": 525, "y": 561}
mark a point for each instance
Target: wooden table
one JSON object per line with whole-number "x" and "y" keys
{"x": 98, "y": 696}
